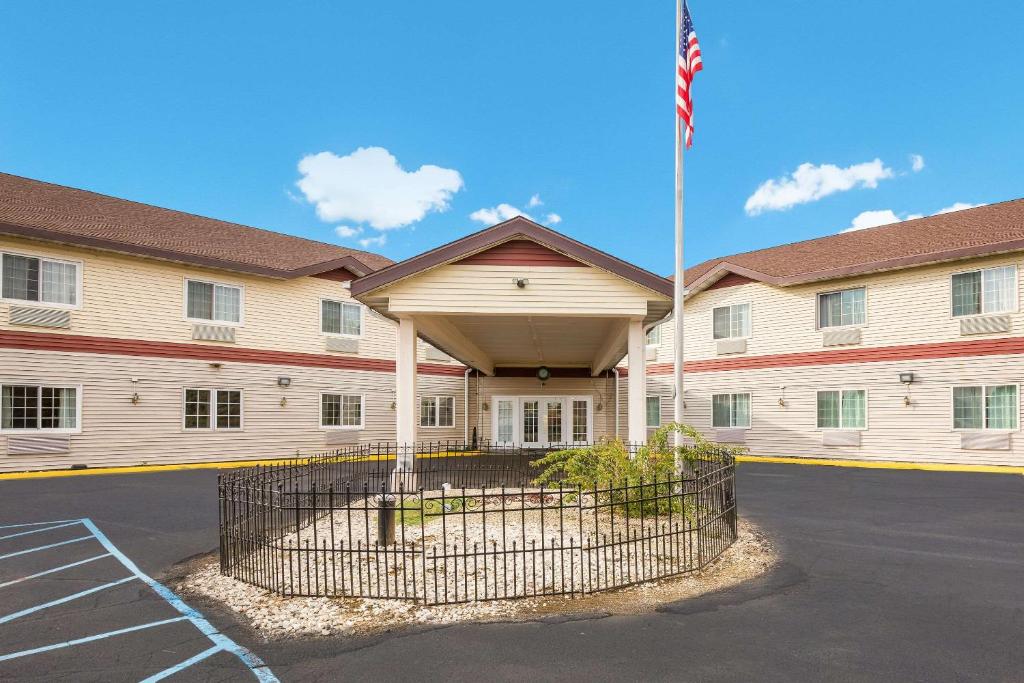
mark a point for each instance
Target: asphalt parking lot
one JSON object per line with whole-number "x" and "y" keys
{"x": 884, "y": 575}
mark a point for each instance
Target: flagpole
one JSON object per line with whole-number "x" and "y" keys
{"x": 678, "y": 293}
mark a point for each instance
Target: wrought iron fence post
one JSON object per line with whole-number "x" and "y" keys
{"x": 385, "y": 516}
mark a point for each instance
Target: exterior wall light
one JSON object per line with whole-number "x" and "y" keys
{"x": 520, "y": 282}
{"x": 135, "y": 391}
{"x": 284, "y": 382}
{"x": 782, "y": 396}
{"x": 907, "y": 378}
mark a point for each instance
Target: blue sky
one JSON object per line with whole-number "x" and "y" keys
{"x": 209, "y": 108}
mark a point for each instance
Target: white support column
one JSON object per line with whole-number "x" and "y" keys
{"x": 636, "y": 410}
{"x": 405, "y": 393}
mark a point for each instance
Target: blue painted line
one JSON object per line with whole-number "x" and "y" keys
{"x": 39, "y": 531}
{"x": 66, "y": 598}
{"x": 255, "y": 664}
{"x": 56, "y": 521}
{"x": 54, "y": 570}
{"x": 170, "y": 671}
{"x": 89, "y": 639}
{"x": 45, "y": 547}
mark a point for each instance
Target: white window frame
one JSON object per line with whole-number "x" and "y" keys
{"x": 204, "y": 321}
{"x": 817, "y": 308}
{"x": 1014, "y": 308}
{"x": 517, "y": 412}
{"x": 984, "y": 428}
{"x": 750, "y": 310}
{"x": 648, "y": 398}
{"x": 342, "y": 393}
{"x": 658, "y": 341}
{"x": 320, "y": 317}
{"x": 44, "y": 304}
{"x": 437, "y": 411}
{"x": 77, "y": 429}
{"x": 841, "y": 428}
{"x": 750, "y": 411}
{"x": 213, "y": 409}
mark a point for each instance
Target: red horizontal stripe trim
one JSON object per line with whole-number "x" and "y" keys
{"x": 959, "y": 349}
{"x": 73, "y": 343}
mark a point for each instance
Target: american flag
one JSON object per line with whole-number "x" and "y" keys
{"x": 688, "y": 63}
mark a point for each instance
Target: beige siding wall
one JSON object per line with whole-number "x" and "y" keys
{"x": 127, "y": 297}
{"x": 116, "y": 432}
{"x": 490, "y": 289}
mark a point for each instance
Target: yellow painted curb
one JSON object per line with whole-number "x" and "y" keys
{"x": 885, "y": 464}
{"x": 218, "y": 465}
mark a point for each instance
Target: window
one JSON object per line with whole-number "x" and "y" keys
{"x": 437, "y": 411}
{"x": 842, "y": 409}
{"x": 989, "y": 290}
{"x": 210, "y": 301}
{"x": 579, "y": 420}
{"x": 731, "y": 321}
{"x": 730, "y": 410}
{"x": 213, "y": 409}
{"x": 338, "y": 317}
{"x": 341, "y": 411}
{"x": 985, "y": 407}
{"x": 38, "y": 408}
{"x": 654, "y": 336}
{"x": 26, "y": 278}
{"x": 654, "y": 411}
{"x": 841, "y": 309}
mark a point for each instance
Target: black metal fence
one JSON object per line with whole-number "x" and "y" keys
{"x": 466, "y": 523}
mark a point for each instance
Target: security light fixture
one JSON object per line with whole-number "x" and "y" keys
{"x": 284, "y": 382}
{"x": 216, "y": 365}
{"x": 907, "y": 377}
{"x": 521, "y": 282}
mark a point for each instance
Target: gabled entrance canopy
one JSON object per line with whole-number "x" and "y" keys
{"x": 518, "y": 295}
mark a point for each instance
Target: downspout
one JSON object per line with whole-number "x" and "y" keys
{"x": 615, "y": 371}
{"x": 465, "y": 406}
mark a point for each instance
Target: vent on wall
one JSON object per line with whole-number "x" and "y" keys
{"x": 988, "y": 324}
{"x": 727, "y": 346}
{"x": 432, "y": 353}
{"x": 343, "y": 344}
{"x": 840, "y": 337}
{"x": 731, "y": 435}
{"x": 38, "y": 443}
{"x": 342, "y": 437}
{"x": 833, "y": 437}
{"x": 220, "y": 333}
{"x": 39, "y": 317}
{"x": 980, "y": 441}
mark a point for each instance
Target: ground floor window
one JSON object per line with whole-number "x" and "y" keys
{"x": 985, "y": 407}
{"x": 730, "y": 410}
{"x": 213, "y": 409}
{"x": 30, "y": 407}
{"x": 654, "y": 411}
{"x": 437, "y": 411}
{"x": 341, "y": 411}
{"x": 842, "y": 409}
{"x": 539, "y": 421}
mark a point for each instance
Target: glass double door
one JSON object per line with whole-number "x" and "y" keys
{"x": 542, "y": 421}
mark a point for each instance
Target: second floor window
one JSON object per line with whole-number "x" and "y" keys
{"x": 26, "y": 278}
{"x": 213, "y": 302}
{"x": 841, "y": 309}
{"x": 731, "y": 321}
{"x": 842, "y": 409}
{"x": 989, "y": 290}
{"x": 730, "y": 410}
{"x": 339, "y": 317}
{"x": 213, "y": 409}
{"x": 985, "y": 407}
{"x": 654, "y": 336}
{"x": 437, "y": 411}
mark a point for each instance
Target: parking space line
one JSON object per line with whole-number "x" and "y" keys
{"x": 45, "y": 547}
{"x": 66, "y": 598}
{"x": 89, "y": 639}
{"x": 170, "y": 671}
{"x": 56, "y": 521}
{"x": 39, "y": 531}
{"x": 55, "y": 569}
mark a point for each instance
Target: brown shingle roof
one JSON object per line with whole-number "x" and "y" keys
{"x": 32, "y": 208}
{"x": 989, "y": 229}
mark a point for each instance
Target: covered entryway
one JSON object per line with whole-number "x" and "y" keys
{"x": 511, "y": 301}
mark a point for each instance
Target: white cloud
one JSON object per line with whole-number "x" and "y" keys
{"x": 916, "y": 162}
{"x": 957, "y": 206}
{"x": 534, "y": 201}
{"x": 369, "y": 186}
{"x": 497, "y": 214}
{"x": 379, "y": 241}
{"x": 346, "y": 231}
{"x": 552, "y": 219}
{"x": 810, "y": 183}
